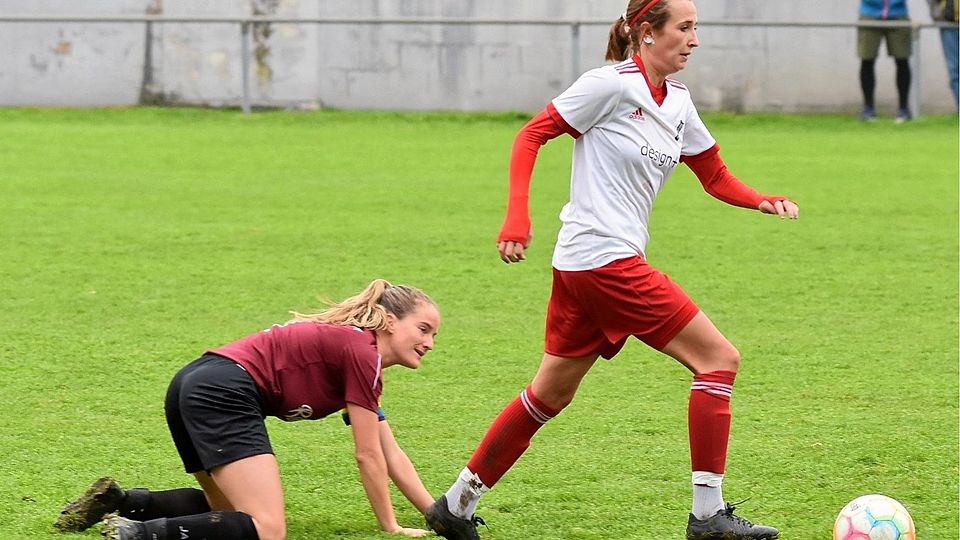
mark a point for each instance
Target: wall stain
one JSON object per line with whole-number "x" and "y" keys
{"x": 40, "y": 65}
{"x": 63, "y": 48}
{"x": 261, "y": 42}
{"x": 149, "y": 94}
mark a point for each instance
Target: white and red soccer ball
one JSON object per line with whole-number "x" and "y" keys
{"x": 874, "y": 517}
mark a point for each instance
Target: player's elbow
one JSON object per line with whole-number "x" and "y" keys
{"x": 369, "y": 459}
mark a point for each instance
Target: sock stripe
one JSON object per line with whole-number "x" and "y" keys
{"x": 532, "y": 409}
{"x": 717, "y": 389}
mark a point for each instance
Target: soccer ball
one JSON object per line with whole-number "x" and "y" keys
{"x": 874, "y": 517}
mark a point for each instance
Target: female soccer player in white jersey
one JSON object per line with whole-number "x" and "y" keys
{"x": 633, "y": 125}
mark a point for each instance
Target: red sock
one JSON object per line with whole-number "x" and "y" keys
{"x": 509, "y": 437}
{"x": 708, "y": 418}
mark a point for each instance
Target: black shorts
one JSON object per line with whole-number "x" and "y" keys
{"x": 214, "y": 414}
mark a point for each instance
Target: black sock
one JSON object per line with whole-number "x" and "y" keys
{"x": 903, "y": 81}
{"x": 207, "y": 526}
{"x": 144, "y": 505}
{"x": 868, "y": 82}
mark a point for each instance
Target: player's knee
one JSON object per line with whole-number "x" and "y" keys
{"x": 723, "y": 357}
{"x": 729, "y": 358}
{"x": 560, "y": 401}
{"x": 557, "y": 398}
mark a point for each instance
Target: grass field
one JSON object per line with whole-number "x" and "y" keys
{"x": 134, "y": 239}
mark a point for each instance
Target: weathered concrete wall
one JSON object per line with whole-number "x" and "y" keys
{"x": 70, "y": 64}
{"x": 429, "y": 67}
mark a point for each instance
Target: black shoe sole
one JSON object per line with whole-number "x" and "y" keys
{"x": 99, "y": 500}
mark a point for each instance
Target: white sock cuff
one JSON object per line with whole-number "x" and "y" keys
{"x": 473, "y": 482}
{"x": 706, "y": 478}
{"x": 464, "y": 494}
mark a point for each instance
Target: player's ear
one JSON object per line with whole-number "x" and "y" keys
{"x": 391, "y": 322}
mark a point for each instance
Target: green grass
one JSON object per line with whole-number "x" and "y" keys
{"x": 134, "y": 239}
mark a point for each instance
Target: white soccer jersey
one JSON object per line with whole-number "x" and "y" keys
{"x": 628, "y": 148}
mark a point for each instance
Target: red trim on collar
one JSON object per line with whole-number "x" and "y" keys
{"x": 659, "y": 94}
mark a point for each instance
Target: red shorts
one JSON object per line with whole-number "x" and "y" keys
{"x": 595, "y": 311}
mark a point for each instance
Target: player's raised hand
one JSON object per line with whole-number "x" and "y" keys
{"x": 511, "y": 251}
{"x": 784, "y": 208}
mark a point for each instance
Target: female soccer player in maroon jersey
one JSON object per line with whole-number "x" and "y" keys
{"x": 633, "y": 125}
{"x": 306, "y": 369}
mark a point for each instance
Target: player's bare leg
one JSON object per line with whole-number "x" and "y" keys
{"x": 246, "y": 502}
{"x": 217, "y": 500}
{"x": 252, "y": 485}
{"x": 553, "y": 388}
{"x": 714, "y": 362}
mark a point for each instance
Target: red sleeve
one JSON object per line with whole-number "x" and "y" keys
{"x": 362, "y": 384}
{"x": 546, "y": 125}
{"x": 721, "y": 183}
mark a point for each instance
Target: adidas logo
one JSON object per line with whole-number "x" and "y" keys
{"x": 636, "y": 115}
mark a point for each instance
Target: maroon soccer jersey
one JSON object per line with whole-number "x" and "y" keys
{"x": 308, "y": 370}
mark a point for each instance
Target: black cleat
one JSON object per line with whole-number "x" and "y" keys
{"x": 450, "y": 526}
{"x": 120, "y": 528}
{"x": 100, "y": 499}
{"x": 724, "y": 525}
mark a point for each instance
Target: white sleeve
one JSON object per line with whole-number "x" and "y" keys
{"x": 590, "y": 99}
{"x": 696, "y": 137}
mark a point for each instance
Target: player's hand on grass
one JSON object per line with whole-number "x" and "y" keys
{"x": 784, "y": 208}
{"x": 412, "y": 533}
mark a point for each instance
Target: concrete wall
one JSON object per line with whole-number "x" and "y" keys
{"x": 431, "y": 67}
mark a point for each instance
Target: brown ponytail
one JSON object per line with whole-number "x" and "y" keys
{"x": 623, "y": 38}
{"x": 618, "y": 43}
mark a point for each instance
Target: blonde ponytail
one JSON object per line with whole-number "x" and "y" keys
{"x": 369, "y": 308}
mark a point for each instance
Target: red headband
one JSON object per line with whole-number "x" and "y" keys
{"x": 640, "y": 13}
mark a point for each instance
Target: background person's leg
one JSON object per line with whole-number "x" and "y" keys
{"x": 868, "y": 84}
{"x": 903, "y": 89}
{"x": 950, "y": 38}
